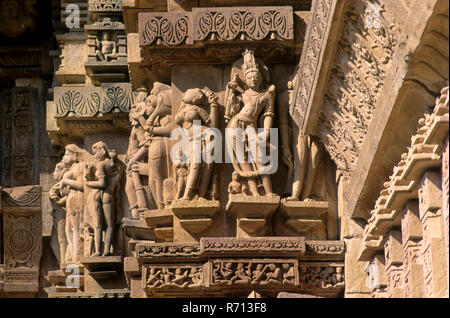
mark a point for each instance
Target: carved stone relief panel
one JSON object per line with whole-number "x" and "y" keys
{"x": 19, "y": 129}
{"x": 262, "y": 273}
{"x": 159, "y": 277}
{"x": 321, "y": 276}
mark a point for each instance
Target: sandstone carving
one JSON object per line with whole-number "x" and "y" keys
{"x": 199, "y": 106}
{"x": 101, "y": 179}
{"x": 106, "y": 48}
{"x": 224, "y": 149}
{"x": 250, "y": 99}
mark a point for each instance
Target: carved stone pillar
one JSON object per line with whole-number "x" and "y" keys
{"x": 412, "y": 244}
{"x": 393, "y": 252}
{"x": 445, "y": 200}
{"x": 22, "y": 232}
{"x": 433, "y": 249}
{"x": 377, "y": 279}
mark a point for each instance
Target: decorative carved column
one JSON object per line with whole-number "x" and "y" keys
{"x": 22, "y": 236}
{"x": 412, "y": 246}
{"x": 433, "y": 249}
{"x": 445, "y": 199}
{"x": 393, "y": 252}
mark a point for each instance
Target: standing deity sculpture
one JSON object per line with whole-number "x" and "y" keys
{"x": 72, "y": 182}
{"x": 134, "y": 184}
{"x": 199, "y": 106}
{"x": 251, "y": 105}
{"x": 58, "y": 198}
{"x": 101, "y": 179}
{"x": 307, "y": 153}
{"x": 148, "y": 151}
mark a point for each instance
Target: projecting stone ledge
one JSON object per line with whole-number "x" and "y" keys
{"x": 252, "y": 213}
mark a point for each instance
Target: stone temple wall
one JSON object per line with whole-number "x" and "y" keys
{"x": 120, "y": 175}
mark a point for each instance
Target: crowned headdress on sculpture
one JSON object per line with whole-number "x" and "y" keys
{"x": 250, "y": 64}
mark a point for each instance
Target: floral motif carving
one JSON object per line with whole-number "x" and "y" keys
{"x": 23, "y": 246}
{"x": 74, "y": 103}
{"x": 31, "y": 198}
{"x": 166, "y": 29}
{"x": 228, "y": 24}
{"x": 93, "y": 101}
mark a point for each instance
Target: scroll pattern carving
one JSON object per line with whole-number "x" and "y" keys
{"x": 117, "y": 99}
{"x": 91, "y": 102}
{"x": 165, "y": 29}
{"x": 363, "y": 55}
{"x": 73, "y": 102}
{"x": 22, "y": 241}
{"x": 243, "y": 24}
{"x": 167, "y": 250}
{"x": 308, "y": 65}
{"x": 105, "y": 5}
{"x": 30, "y": 199}
{"x": 325, "y": 247}
{"x": 216, "y": 24}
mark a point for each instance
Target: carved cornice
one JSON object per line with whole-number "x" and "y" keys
{"x": 93, "y": 101}
{"x": 424, "y": 153}
{"x": 325, "y": 16}
{"x": 167, "y": 250}
{"x": 216, "y": 25}
{"x": 216, "y": 247}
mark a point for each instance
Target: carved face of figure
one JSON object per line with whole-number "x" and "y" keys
{"x": 194, "y": 96}
{"x": 106, "y": 36}
{"x": 57, "y": 174}
{"x": 69, "y": 157}
{"x": 253, "y": 79}
{"x": 100, "y": 150}
{"x": 235, "y": 176}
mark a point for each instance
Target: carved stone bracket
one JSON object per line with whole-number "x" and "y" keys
{"x": 425, "y": 153}
{"x": 252, "y": 214}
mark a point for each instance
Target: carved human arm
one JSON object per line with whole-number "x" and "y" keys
{"x": 164, "y": 130}
{"x": 76, "y": 184}
{"x": 285, "y": 132}
{"x": 100, "y": 183}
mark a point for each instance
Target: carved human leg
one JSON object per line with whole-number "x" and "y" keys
{"x": 313, "y": 162}
{"x": 109, "y": 219}
{"x": 131, "y": 192}
{"x": 62, "y": 240}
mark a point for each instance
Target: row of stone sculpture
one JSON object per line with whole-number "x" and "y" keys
{"x": 95, "y": 182}
{"x": 85, "y": 191}
{"x": 250, "y": 104}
